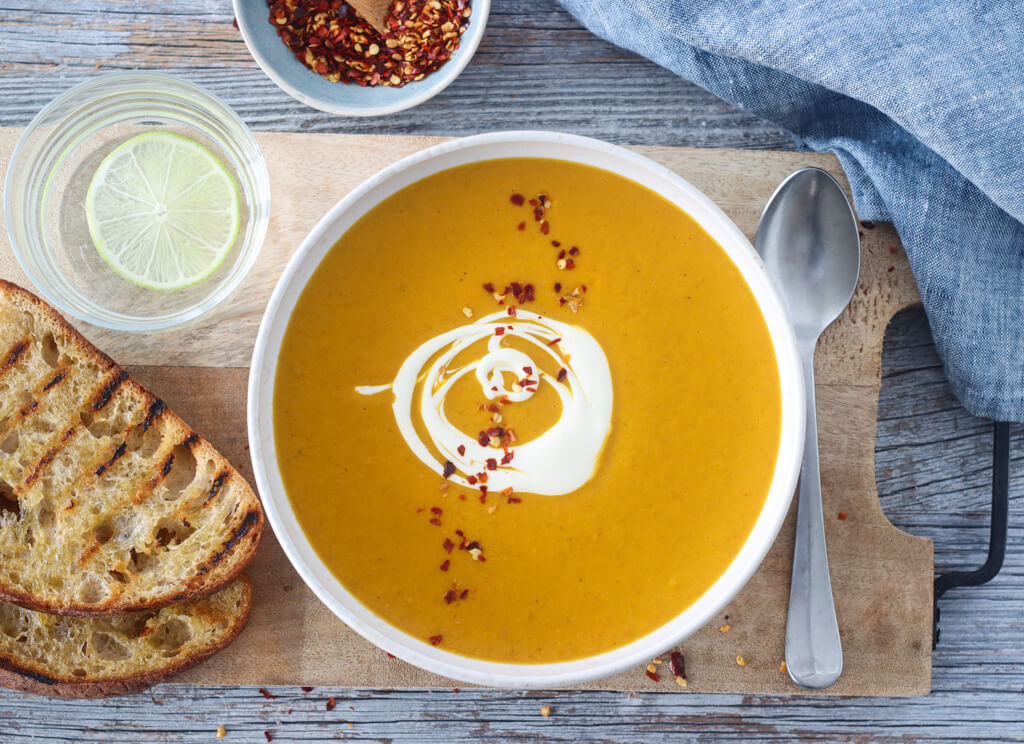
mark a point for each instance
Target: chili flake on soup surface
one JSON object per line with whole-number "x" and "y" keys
{"x": 527, "y": 410}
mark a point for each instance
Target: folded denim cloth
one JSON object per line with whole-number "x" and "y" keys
{"x": 923, "y": 103}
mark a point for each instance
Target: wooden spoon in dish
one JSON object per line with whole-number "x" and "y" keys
{"x": 374, "y": 12}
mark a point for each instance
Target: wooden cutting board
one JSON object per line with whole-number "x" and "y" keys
{"x": 882, "y": 577}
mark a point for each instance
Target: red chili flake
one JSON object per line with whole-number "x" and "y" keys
{"x": 534, "y": 203}
{"x": 504, "y": 400}
{"x": 444, "y": 566}
{"x": 527, "y": 381}
{"x": 436, "y": 522}
{"x": 558, "y": 286}
{"x": 545, "y": 228}
{"x": 868, "y": 224}
{"x": 465, "y": 593}
{"x": 653, "y": 676}
{"x": 570, "y": 264}
{"x": 561, "y": 254}
{"x": 234, "y": 22}
{"x": 450, "y": 596}
{"x": 583, "y": 287}
{"x": 528, "y": 369}
{"x": 449, "y": 469}
{"x": 562, "y": 374}
{"x": 482, "y": 477}
{"x": 483, "y": 494}
{"x": 460, "y": 533}
{"x": 574, "y": 251}
{"x": 677, "y": 664}
{"x": 555, "y": 243}
{"x": 528, "y": 293}
{"x": 461, "y": 449}
{"x": 436, "y": 510}
{"x": 328, "y": 37}
{"x": 843, "y": 515}
{"x": 489, "y": 288}
{"x": 892, "y": 268}
{"x": 892, "y": 249}
{"x": 331, "y": 703}
{"x": 455, "y": 689}
{"x": 482, "y": 439}
{"x": 435, "y": 640}
{"x": 310, "y": 689}
{"x": 514, "y": 500}
{"x": 522, "y": 225}
{"x": 492, "y": 464}
{"x": 267, "y": 695}
{"x": 493, "y": 407}
{"x": 462, "y": 497}
{"x": 518, "y": 199}
{"x": 554, "y": 341}
{"x": 471, "y": 480}
{"x": 268, "y": 735}
{"x": 512, "y": 312}
{"x": 507, "y": 458}
{"x": 448, "y": 545}
{"x": 499, "y": 331}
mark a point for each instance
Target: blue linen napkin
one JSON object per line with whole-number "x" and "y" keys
{"x": 923, "y": 103}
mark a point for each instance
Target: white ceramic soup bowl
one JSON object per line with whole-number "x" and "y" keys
{"x": 264, "y": 367}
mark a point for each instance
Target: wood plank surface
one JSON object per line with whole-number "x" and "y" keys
{"x": 932, "y": 457}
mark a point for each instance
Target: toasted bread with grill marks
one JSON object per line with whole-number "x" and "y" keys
{"x": 108, "y": 501}
{"x": 118, "y": 655}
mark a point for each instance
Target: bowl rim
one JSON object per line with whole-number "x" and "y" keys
{"x": 418, "y": 652}
{"x": 259, "y": 175}
{"x": 427, "y": 88}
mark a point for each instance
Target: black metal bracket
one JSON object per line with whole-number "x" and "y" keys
{"x": 997, "y": 537}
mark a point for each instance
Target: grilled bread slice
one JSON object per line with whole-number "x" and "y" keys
{"x": 101, "y": 656}
{"x": 112, "y": 503}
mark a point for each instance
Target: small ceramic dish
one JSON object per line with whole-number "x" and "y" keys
{"x": 264, "y": 369}
{"x": 302, "y": 84}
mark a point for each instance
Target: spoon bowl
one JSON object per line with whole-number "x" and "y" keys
{"x": 808, "y": 240}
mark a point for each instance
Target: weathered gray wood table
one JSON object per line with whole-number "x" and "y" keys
{"x": 538, "y": 69}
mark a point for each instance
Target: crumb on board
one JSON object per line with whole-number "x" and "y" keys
{"x": 724, "y": 628}
{"x": 782, "y": 667}
{"x": 681, "y": 681}
{"x": 843, "y": 515}
{"x": 545, "y": 710}
{"x": 221, "y": 732}
{"x": 740, "y": 660}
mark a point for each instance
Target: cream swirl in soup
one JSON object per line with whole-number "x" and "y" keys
{"x": 560, "y": 460}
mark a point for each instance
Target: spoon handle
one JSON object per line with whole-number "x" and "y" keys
{"x": 814, "y": 654}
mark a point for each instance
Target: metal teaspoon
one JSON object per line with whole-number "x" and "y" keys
{"x": 808, "y": 240}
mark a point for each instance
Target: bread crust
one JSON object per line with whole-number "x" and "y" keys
{"x": 224, "y": 565}
{"x": 34, "y": 680}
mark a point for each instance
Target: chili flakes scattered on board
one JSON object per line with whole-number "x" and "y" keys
{"x": 331, "y": 39}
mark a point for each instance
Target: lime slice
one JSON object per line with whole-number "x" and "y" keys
{"x": 162, "y": 211}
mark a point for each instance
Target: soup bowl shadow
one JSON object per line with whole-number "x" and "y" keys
{"x": 264, "y": 366}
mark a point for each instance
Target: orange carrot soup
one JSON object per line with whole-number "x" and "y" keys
{"x": 527, "y": 410}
